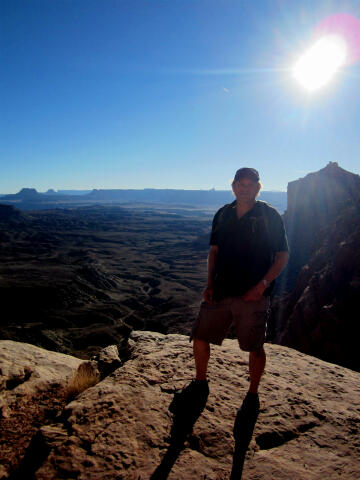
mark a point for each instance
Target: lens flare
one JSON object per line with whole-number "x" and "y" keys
{"x": 348, "y": 27}
{"x": 319, "y": 64}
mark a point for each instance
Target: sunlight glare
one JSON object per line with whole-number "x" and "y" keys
{"x": 318, "y": 65}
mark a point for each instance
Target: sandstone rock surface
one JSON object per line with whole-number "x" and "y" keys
{"x": 308, "y": 427}
{"x": 27, "y": 369}
{"x": 32, "y": 384}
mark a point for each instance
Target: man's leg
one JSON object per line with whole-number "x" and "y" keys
{"x": 191, "y": 400}
{"x": 250, "y": 321}
{"x": 257, "y": 361}
{"x": 201, "y": 355}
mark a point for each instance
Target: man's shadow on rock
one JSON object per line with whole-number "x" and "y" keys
{"x": 186, "y": 407}
{"x": 243, "y": 430}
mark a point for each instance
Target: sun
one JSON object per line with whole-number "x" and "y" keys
{"x": 319, "y": 64}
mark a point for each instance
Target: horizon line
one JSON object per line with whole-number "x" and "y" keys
{"x": 212, "y": 189}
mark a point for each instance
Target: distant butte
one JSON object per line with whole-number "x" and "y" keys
{"x": 30, "y": 199}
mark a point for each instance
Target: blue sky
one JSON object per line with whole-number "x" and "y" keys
{"x": 167, "y": 94}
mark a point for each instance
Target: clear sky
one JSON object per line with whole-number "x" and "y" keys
{"x": 167, "y": 94}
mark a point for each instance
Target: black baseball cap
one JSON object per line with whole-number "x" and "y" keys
{"x": 245, "y": 172}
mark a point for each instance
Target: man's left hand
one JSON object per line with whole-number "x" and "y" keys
{"x": 255, "y": 293}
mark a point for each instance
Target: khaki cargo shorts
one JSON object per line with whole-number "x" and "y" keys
{"x": 248, "y": 318}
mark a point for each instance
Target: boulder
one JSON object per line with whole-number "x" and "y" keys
{"x": 108, "y": 360}
{"x": 32, "y": 392}
{"x": 27, "y": 370}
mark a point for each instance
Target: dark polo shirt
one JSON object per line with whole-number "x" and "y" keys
{"x": 247, "y": 246}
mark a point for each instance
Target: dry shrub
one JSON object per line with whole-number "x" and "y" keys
{"x": 86, "y": 376}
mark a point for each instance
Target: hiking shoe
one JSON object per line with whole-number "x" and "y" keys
{"x": 192, "y": 397}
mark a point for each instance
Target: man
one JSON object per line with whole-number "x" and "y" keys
{"x": 248, "y": 250}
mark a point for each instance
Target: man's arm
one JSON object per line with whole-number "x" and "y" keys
{"x": 212, "y": 258}
{"x": 255, "y": 293}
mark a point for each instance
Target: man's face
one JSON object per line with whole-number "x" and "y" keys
{"x": 246, "y": 190}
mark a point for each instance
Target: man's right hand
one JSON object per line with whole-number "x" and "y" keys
{"x": 208, "y": 294}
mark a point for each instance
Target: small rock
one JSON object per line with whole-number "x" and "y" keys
{"x": 108, "y": 360}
